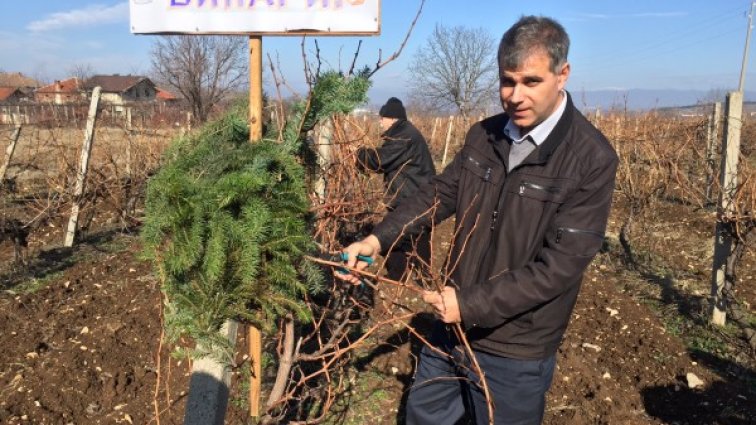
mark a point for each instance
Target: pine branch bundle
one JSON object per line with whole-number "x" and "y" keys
{"x": 228, "y": 222}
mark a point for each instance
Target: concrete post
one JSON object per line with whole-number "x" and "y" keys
{"x": 727, "y": 207}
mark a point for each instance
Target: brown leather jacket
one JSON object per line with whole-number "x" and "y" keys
{"x": 523, "y": 238}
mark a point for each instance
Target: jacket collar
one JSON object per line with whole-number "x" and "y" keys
{"x": 395, "y": 128}
{"x": 494, "y": 127}
{"x": 559, "y": 133}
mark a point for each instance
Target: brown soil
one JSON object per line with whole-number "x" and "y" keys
{"x": 82, "y": 350}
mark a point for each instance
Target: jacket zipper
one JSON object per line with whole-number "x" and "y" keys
{"x": 561, "y": 230}
{"x": 550, "y": 189}
{"x": 487, "y": 176}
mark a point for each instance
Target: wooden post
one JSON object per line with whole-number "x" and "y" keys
{"x": 433, "y": 132}
{"x": 712, "y": 134}
{"x": 275, "y": 121}
{"x": 128, "y": 156}
{"x": 255, "y": 379}
{"x": 9, "y": 152}
{"x": 128, "y": 118}
{"x": 255, "y": 134}
{"x": 448, "y": 138}
{"x": 727, "y": 208}
{"x": 86, "y": 149}
{"x": 255, "y": 88}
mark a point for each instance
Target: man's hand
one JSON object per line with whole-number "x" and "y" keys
{"x": 445, "y": 304}
{"x": 369, "y": 247}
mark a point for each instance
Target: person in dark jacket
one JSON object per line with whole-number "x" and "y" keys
{"x": 406, "y": 164}
{"x": 531, "y": 190}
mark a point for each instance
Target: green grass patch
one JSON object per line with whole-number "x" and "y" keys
{"x": 366, "y": 402}
{"x": 118, "y": 243}
{"x": 34, "y": 284}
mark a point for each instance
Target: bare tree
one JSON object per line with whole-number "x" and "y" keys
{"x": 456, "y": 68}
{"x": 204, "y": 69}
{"x": 82, "y": 71}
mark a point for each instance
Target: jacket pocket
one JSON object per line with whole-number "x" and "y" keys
{"x": 575, "y": 241}
{"x": 540, "y": 189}
{"x": 478, "y": 167}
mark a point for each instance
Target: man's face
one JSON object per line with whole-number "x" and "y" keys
{"x": 530, "y": 93}
{"x": 386, "y": 123}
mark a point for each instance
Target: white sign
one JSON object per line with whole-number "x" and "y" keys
{"x": 321, "y": 17}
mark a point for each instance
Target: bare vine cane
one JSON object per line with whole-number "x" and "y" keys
{"x": 439, "y": 283}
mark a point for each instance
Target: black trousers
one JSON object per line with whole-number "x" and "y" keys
{"x": 400, "y": 257}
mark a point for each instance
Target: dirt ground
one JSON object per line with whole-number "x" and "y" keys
{"x": 82, "y": 349}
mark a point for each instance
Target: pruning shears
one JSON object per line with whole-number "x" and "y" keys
{"x": 345, "y": 257}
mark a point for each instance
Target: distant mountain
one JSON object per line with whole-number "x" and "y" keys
{"x": 644, "y": 99}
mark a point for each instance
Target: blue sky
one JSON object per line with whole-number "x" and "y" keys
{"x": 639, "y": 44}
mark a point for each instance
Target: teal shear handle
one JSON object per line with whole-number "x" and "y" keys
{"x": 365, "y": 258}
{"x": 344, "y": 257}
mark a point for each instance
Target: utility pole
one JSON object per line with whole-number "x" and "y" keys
{"x": 741, "y": 86}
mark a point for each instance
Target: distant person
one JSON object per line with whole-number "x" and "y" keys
{"x": 406, "y": 164}
{"x": 531, "y": 191}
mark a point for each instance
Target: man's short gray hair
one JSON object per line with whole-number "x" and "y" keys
{"x": 532, "y": 34}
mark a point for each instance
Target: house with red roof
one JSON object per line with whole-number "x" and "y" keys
{"x": 12, "y": 95}
{"x": 62, "y": 92}
{"x": 165, "y": 96}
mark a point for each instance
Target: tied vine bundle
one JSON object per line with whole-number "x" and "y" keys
{"x": 228, "y": 224}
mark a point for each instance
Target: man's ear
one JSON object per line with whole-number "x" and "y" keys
{"x": 563, "y": 75}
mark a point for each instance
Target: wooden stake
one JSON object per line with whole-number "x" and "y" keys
{"x": 255, "y": 379}
{"x": 712, "y": 135}
{"x": 128, "y": 118}
{"x": 86, "y": 149}
{"x": 255, "y": 88}
{"x": 433, "y": 132}
{"x": 9, "y": 152}
{"x": 727, "y": 208}
{"x": 255, "y": 134}
{"x": 448, "y": 138}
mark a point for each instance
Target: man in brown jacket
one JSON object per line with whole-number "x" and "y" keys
{"x": 531, "y": 190}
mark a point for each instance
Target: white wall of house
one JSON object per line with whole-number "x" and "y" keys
{"x": 109, "y": 97}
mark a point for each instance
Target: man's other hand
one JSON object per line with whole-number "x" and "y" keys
{"x": 445, "y": 304}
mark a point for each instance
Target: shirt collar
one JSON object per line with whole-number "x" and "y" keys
{"x": 538, "y": 134}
